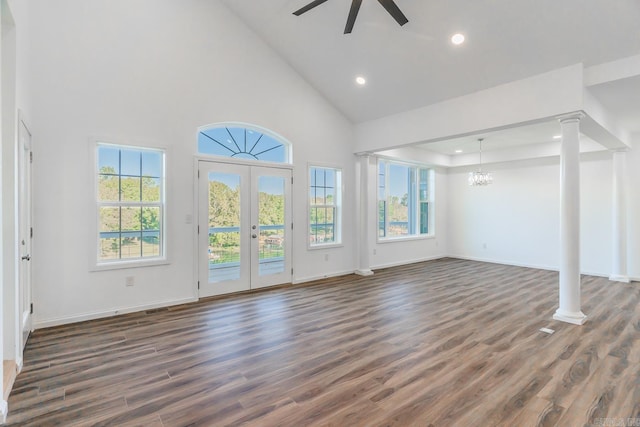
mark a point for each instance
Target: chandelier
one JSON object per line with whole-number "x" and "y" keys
{"x": 479, "y": 177}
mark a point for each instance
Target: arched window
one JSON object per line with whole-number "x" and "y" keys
{"x": 244, "y": 142}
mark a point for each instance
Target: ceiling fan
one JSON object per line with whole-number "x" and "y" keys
{"x": 389, "y": 5}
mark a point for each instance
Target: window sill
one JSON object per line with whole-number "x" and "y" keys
{"x": 325, "y": 246}
{"x": 119, "y": 265}
{"x": 405, "y": 238}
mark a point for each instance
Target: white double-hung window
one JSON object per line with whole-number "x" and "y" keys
{"x": 130, "y": 201}
{"x": 325, "y": 206}
{"x": 405, "y": 200}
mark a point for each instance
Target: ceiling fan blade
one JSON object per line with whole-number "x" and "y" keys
{"x": 394, "y": 11}
{"x": 308, "y": 7}
{"x": 353, "y": 14}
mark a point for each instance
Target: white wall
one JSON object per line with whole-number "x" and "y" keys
{"x": 516, "y": 219}
{"x": 153, "y": 71}
{"x": 3, "y": 399}
{"x": 10, "y": 254}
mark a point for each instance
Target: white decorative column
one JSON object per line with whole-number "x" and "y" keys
{"x": 365, "y": 182}
{"x": 619, "y": 211}
{"x": 569, "y": 307}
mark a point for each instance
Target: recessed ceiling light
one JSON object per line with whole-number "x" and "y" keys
{"x": 458, "y": 151}
{"x": 361, "y": 80}
{"x": 457, "y": 39}
{"x": 557, "y": 136}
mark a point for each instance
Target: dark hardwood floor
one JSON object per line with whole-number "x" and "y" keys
{"x": 442, "y": 343}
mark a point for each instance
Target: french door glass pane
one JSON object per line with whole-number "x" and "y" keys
{"x": 224, "y": 227}
{"x": 271, "y": 219}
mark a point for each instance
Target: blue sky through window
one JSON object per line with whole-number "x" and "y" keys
{"x": 129, "y": 162}
{"x": 241, "y": 143}
{"x": 398, "y": 180}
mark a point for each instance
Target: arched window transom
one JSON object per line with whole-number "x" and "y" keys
{"x": 242, "y": 143}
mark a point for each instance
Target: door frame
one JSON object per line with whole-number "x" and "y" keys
{"x": 194, "y": 219}
{"x": 24, "y": 281}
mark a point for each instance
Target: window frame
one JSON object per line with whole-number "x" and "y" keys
{"x": 98, "y": 264}
{"x": 247, "y": 127}
{"x": 414, "y": 216}
{"x": 338, "y": 206}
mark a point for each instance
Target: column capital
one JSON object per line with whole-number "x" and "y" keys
{"x": 571, "y": 117}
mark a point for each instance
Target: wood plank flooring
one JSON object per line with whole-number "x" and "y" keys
{"x": 440, "y": 343}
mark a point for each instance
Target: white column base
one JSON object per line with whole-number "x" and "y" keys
{"x": 364, "y": 272}
{"x": 575, "y": 318}
{"x": 619, "y": 278}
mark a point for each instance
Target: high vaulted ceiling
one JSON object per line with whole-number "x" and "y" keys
{"x": 416, "y": 65}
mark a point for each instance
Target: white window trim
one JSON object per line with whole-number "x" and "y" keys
{"x": 431, "y": 187}
{"x": 94, "y": 262}
{"x": 339, "y": 208}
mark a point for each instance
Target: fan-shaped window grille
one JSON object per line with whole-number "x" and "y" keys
{"x": 242, "y": 143}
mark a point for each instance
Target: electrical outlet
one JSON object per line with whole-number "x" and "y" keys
{"x": 326, "y": 257}
{"x": 129, "y": 281}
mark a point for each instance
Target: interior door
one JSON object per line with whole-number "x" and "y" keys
{"x": 24, "y": 231}
{"x": 244, "y": 222}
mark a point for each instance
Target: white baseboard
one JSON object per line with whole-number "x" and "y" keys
{"x": 4, "y": 411}
{"x": 47, "y": 323}
{"x": 619, "y": 278}
{"x": 297, "y": 281}
{"x": 515, "y": 264}
{"x": 590, "y": 273}
{"x": 525, "y": 265}
{"x": 406, "y": 262}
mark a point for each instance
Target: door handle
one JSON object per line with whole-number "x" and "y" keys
{"x": 254, "y": 235}
{"x": 26, "y": 257}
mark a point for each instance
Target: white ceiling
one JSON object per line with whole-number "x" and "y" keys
{"x": 415, "y": 65}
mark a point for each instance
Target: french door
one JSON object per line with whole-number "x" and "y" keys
{"x": 244, "y": 223}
